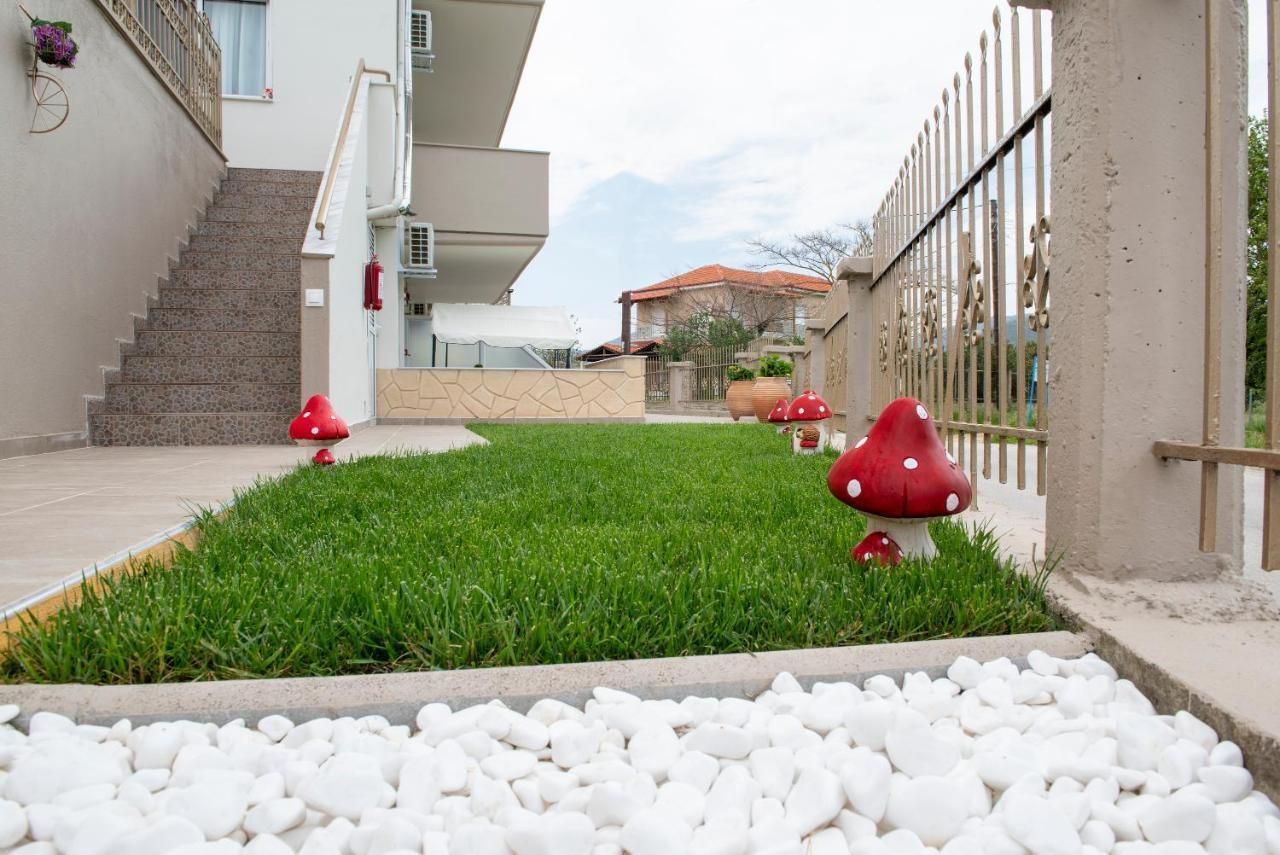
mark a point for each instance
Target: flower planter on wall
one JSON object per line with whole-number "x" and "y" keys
{"x": 766, "y": 392}
{"x": 738, "y": 398}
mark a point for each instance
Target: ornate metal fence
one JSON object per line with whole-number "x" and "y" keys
{"x": 960, "y": 322}
{"x": 1209, "y": 451}
{"x": 710, "y": 372}
{"x": 175, "y": 39}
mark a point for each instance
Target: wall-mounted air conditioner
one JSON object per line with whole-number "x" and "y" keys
{"x": 420, "y": 41}
{"x": 419, "y": 259}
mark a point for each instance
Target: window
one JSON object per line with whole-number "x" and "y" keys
{"x": 240, "y": 26}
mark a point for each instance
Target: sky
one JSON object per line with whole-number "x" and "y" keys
{"x": 678, "y": 129}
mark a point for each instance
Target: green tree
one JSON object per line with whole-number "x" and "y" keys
{"x": 1255, "y": 374}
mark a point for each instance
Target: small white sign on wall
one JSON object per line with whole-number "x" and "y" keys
{"x": 314, "y": 296}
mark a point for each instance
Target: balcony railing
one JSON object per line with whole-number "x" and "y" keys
{"x": 175, "y": 39}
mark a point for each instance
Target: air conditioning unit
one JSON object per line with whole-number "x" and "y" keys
{"x": 420, "y": 41}
{"x": 419, "y": 259}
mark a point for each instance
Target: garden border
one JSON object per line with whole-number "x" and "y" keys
{"x": 51, "y": 599}
{"x": 399, "y": 696}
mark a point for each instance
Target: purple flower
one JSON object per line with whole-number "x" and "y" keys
{"x": 54, "y": 46}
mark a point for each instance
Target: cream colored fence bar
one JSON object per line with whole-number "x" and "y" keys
{"x": 331, "y": 173}
{"x": 176, "y": 40}
{"x": 945, "y": 290}
{"x": 1209, "y": 452}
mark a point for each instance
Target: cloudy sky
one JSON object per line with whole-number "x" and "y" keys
{"x": 678, "y": 129}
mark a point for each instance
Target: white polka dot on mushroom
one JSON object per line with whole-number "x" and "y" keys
{"x": 307, "y": 414}
{"x": 885, "y": 541}
{"x": 953, "y": 501}
{"x": 921, "y": 411}
{"x": 860, "y": 443}
{"x": 314, "y": 431}
{"x": 910, "y": 463}
{"x": 800, "y": 411}
{"x": 951, "y": 458}
{"x": 854, "y": 489}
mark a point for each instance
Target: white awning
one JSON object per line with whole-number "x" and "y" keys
{"x": 546, "y": 327}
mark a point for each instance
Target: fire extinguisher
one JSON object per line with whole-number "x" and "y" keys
{"x": 373, "y": 281}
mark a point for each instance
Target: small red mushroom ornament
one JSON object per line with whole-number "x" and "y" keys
{"x": 319, "y": 424}
{"x": 779, "y": 415}
{"x": 877, "y": 548}
{"x": 901, "y": 476}
{"x": 809, "y": 407}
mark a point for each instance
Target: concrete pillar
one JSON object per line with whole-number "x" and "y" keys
{"x": 314, "y": 328}
{"x": 680, "y": 383}
{"x": 1126, "y": 358}
{"x": 814, "y": 339}
{"x": 860, "y": 349}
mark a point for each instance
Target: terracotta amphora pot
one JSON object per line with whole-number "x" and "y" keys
{"x": 738, "y": 398}
{"x": 766, "y": 392}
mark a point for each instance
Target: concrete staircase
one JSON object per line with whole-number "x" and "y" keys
{"x": 216, "y": 360}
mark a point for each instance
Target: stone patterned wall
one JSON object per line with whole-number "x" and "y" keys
{"x": 611, "y": 389}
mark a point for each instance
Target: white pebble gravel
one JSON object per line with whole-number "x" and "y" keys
{"x": 1062, "y": 758}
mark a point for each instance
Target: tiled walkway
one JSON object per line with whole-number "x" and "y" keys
{"x": 66, "y": 511}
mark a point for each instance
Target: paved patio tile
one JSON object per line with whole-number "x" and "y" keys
{"x": 65, "y": 511}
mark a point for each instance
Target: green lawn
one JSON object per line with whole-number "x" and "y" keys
{"x": 554, "y": 543}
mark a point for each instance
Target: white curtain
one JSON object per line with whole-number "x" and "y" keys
{"x": 240, "y": 26}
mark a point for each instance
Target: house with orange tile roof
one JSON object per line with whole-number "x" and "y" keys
{"x": 774, "y": 302}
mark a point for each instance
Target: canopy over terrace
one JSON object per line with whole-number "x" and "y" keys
{"x": 543, "y": 327}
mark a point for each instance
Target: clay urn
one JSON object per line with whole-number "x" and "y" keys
{"x": 765, "y": 392}
{"x": 901, "y": 476}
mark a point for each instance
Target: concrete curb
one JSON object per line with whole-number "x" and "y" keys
{"x": 161, "y": 548}
{"x": 400, "y": 696}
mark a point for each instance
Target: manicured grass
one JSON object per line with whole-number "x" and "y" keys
{"x": 555, "y": 543}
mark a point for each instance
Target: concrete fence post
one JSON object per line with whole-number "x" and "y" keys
{"x": 680, "y": 383}
{"x": 814, "y": 339}
{"x": 1127, "y": 352}
{"x": 856, "y": 274}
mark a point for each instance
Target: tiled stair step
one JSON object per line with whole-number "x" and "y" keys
{"x": 208, "y": 369}
{"x": 288, "y": 245}
{"x": 223, "y": 320}
{"x": 237, "y": 299}
{"x": 254, "y": 187}
{"x": 248, "y": 201}
{"x": 143, "y": 398}
{"x": 191, "y": 429}
{"x": 214, "y": 228}
{"x": 239, "y": 173}
{"x": 203, "y": 343}
{"x": 236, "y": 214}
{"x": 238, "y": 261}
{"x": 223, "y": 280}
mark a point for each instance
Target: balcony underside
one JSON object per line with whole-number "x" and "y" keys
{"x": 475, "y": 268}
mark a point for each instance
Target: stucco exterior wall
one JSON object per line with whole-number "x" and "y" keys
{"x": 654, "y": 316}
{"x": 92, "y": 213}
{"x": 611, "y": 389}
{"x": 313, "y": 49}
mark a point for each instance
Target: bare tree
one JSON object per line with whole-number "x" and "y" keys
{"x": 817, "y": 252}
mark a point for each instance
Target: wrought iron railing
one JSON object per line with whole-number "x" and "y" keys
{"x": 952, "y": 305}
{"x": 1210, "y": 452}
{"x": 176, "y": 40}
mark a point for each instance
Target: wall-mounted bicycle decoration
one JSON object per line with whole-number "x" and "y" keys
{"x": 51, "y": 44}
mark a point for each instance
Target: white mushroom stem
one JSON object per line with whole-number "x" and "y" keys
{"x": 911, "y": 534}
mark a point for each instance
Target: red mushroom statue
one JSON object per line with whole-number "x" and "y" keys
{"x": 877, "y": 548}
{"x": 809, "y": 413}
{"x": 318, "y": 424}
{"x": 901, "y": 476}
{"x": 779, "y": 415}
